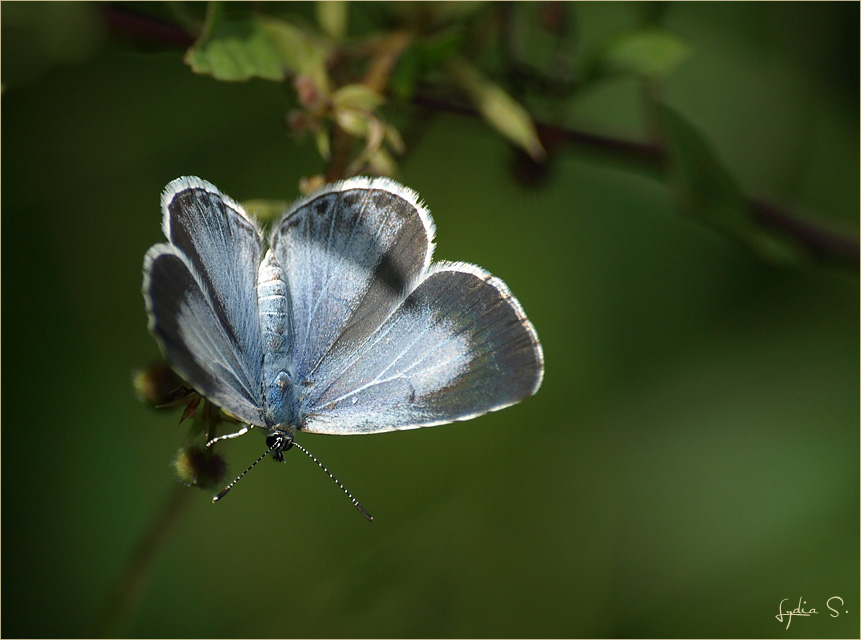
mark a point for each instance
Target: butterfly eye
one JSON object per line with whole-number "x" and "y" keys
{"x": 279, "y": 442}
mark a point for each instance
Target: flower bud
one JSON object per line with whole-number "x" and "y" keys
{"x": 156, "y": 384}
{"x": 199, "y": 466}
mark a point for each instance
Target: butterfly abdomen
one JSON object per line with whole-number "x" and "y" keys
{"x": 276, "y": 333}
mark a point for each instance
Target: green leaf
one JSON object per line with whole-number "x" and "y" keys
{"x": 405, "y": 75}
{"x": 301, "y": 52}
{"x": 356, "y": 96}
{"x": 235, "y": 48}
{"x": 332, "y": 17}
{"x": 705, "y": 189}
{"x": 356, "y": 123}
{"x": 324, "y": 146}
{"x": 393, "y": 137}
{"x": 497, "y": 107}
{"x": 374, "y": 138}
{"x": 650, "y": 52}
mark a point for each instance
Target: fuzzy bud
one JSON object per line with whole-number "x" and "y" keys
{"x": 199, "y": 467}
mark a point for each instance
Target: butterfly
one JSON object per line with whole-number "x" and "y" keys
{"x": 336, "y": 321}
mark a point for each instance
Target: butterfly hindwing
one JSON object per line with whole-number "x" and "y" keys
{"x": 458, "y": 346}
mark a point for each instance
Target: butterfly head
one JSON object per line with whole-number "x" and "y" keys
{"x": 279, "y": 440}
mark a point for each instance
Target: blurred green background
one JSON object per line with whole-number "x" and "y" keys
{"x": 691, "y": 460}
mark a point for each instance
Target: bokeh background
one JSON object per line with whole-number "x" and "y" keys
{"x": 691, "y": 460}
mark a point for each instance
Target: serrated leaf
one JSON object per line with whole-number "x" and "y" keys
{"x": 651, "y": 52}
{"x": 255, "y": 46}
{"x": 497, "y": 107}
{"x": 706, "y": 190}
{"x": 234, "y": 49}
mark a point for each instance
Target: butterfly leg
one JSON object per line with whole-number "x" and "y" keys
{"x": 245, "y": 429}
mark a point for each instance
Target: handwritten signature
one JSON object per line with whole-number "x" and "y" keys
{"x": 786, "y": 614}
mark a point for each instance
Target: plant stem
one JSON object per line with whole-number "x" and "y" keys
{"x": 129, "y": 588}
{"x": 342, "y": 151}
{"x": 387, "y": 53}
{"x": 824, "y": 245}
{"x": 380, "y": 68}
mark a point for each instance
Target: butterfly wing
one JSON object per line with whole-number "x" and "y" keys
{"x": 350, "y": 254}
{"x": 201, "y": 298}
{"x": 458, "y": 346}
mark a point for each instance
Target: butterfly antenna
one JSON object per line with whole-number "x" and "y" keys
{"x": 355, "y": 502}
{"x": 224, "y": 491}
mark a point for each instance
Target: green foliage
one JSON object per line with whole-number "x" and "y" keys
{"x": 356, "y": 97}
{"x": 649, "y": 52}
{"x": 423, "y": 56}
{"x": 332, "y": 17}
{"x": 250, "y": 45}
{"x": 302, "y": 51}
{"x": 497, "y": 107}
{"x": 235, "y": 48}
{"x": 704, "y": 189}
{"x": 471, "y": 52}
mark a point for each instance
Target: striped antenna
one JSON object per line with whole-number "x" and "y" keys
{"x": 355, "y": 502}
{"x": 280, "y": 443}
{"x": 224, "y": 491}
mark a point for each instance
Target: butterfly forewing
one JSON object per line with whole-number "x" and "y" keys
{"x": 349, "y": 255}
{"x": 225, "y": 248}
{"x": 202, "y": 299}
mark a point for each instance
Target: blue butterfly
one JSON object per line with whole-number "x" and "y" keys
{"x": 337, "y": 321}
